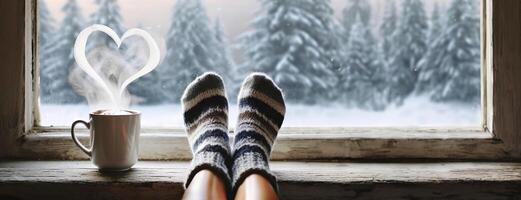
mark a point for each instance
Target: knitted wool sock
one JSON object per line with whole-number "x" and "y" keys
{"x": 206, "y": 119}
{"x": 261, "y": 112}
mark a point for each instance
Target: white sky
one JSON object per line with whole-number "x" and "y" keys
{"x": 155, "y": 15}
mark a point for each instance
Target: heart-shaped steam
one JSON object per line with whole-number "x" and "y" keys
{"x": 83, "y": 63}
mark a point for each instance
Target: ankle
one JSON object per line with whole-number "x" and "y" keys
{"x": 256, "y": 186}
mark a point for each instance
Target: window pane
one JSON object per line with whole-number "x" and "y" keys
{"x": 403, "y": 63}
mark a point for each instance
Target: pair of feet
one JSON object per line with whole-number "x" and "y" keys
{"x": 261, "y": 113}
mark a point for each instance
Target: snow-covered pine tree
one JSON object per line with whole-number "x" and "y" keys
{"x": 387, "y": 31}
{"x": 435, "y": 31}
{"x": 358, "y": 13}
{"x": 411, "y": 37}
{"x": 386, "y": 51}
{"x": 361, "y": 70}
{"x": 46, "y": 24}
{"x": 296, "y": 43}
{"x": 225, "y": 60}
{"x": 225, "y": 64}
{"x": 191, "y": 48}
{"x": 147, "y": 88}
{"x": 451, "y": 69}
{"x": 46, "y": 30}
{"x": 354, "y": 8}
{"x": 436, "y": 23}
{"x": 107, "y": 14}
{"x": 61, "y": 58}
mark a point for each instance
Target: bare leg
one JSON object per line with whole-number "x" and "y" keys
{"x": 205, "y": 185}
{"x": 255, "y": 187}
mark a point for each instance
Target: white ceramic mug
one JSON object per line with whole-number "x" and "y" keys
{"x": 114, "y": 139}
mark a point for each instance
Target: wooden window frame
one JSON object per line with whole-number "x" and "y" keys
{"x": 498, "y": 139}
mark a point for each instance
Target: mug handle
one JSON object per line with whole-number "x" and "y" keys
{"x": 75, "y": 139}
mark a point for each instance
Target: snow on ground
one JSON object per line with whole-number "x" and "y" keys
{"x": 416, "y": 112}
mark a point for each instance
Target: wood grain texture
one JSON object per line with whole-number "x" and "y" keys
{"x": 304, "y": 144}
{"x": 297, "y": 180}
{"x": 487, "y": 57}
{"x": 12, "y": 32}
{"x": 507, "y": 72}
{"x": 445, "y": 191}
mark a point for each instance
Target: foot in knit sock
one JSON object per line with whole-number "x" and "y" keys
{"x": 206, "y": 119}
{"x": 261, "y": 112}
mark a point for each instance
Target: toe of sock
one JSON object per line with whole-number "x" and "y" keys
{"x": 260, "y": 82}
{"x": 204, "y": 82}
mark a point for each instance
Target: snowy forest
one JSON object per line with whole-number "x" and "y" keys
{"x": 318, "y": 58}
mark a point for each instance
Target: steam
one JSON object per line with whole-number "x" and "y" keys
{"x": 103, "y": 75}
{"x": 112, "y": 69}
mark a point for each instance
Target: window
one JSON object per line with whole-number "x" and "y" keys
{"x": 341, "y": 63}
{"x": 498, "y": 138}
{"x": 23, "y": 137}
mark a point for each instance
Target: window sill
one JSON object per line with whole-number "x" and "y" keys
{"x": 299, "y": 144}
{"x": 297, "y": 180}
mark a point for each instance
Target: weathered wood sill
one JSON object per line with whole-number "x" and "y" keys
{"x": 297, "y": 180}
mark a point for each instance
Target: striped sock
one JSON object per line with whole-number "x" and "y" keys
{"x": 206, "y": 119}
{"x": 261, "y": 112}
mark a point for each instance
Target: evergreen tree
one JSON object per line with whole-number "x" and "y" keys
{"x": 435, "y": 29}
{"x": 107, "y": 14}
{"x": 147, "y": 88}
{"x": 61, "y": 58}
{"x": 46, "y": 30}
{"x": 354, "y": 8}
{"x": 46, "y": 24}
{"x": 411, "y": 40}
{"x": 357, "y": 11}
{"x": 225, "y": 65}
{"x": 362, "y": 79}
{"x": 191, "y": 44}
{"x": 451, "y": 69}
{"x": 296, "y": 43}
{"x": 387, "y": 32}
{"x": 386, "y": 55}
{"x": 222, "y": 47}
{"x": 361, "y": 71}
